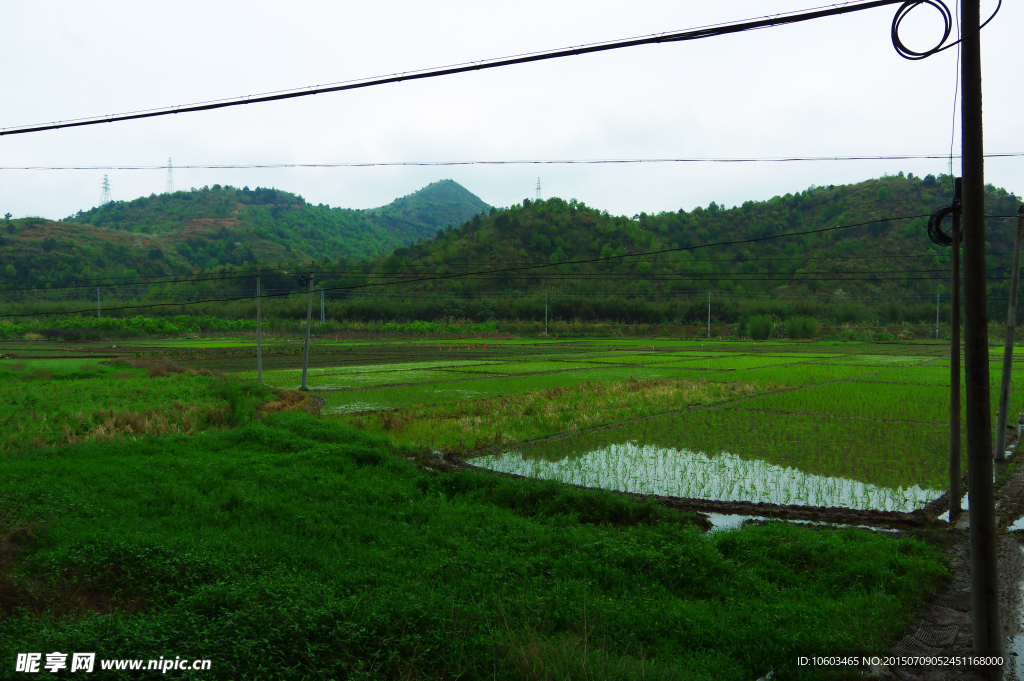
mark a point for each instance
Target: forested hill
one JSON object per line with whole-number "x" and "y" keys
{"x": 212, "y": 227}
{"x": 892, "y": 257}
{"x": 423, "y": 214}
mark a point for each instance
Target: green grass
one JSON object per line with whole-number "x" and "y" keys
{"x": 46, "y": 402}
{"x": 864, "y": 400}
{"x": 477, "y": 388}
{"x": 796, "y": 374}
{"x": 882, "y": 453}
{"x": 297, "y": 549}
{"x": 465, "y": 426}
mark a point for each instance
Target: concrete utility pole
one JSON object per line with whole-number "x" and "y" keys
{"x": 986, "y": 623}
{"x": 259, "y": 332}
{"x": 309, "y": 322}
{"x": 954, "y": 365}
{"x": 1011, "y": 324}
{"x": 709, "y": 314}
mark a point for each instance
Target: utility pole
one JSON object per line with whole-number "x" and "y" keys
{"x": 97, "y": 302}
{"x": 709, "y": 314}
{"x": 321, "y": 307}
{"x": 259, "y": 331}
{"x": 309, "y": 322}
{"x": 937, "y": 297}
{"x": 986, "y": 622}
{"x": 1011, "y": 324}
{"x": 545, "y": 300}
{"x": 954, "y": 364}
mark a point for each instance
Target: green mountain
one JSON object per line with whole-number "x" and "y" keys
{"x": 421, "y": 215}
{"x": 887, "y": 269}
{"x": 887, "y": 260}
{"x": 189, "y": 231}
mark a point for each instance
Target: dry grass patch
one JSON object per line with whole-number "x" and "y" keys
{"x": 482, "y": 424}
{"x": 289, "y": 400}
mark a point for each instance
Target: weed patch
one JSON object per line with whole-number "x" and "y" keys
{"x": 309, "y": 560}
{"x": 508, "y": 419}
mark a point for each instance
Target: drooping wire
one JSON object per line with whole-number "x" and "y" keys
{"x": 467, "y": 67}
{"x": 947, "y": 20}
{"x": 577, "y": 161}
{"x": 935, "y": 232}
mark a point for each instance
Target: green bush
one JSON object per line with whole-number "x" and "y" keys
{"x": 741, "y": 329}
{"x": 801, "y": 327}
{"x": 760, "y": 327}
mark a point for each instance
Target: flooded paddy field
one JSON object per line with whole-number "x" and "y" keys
{"x": 852, "y": 426}
{"x": 846, "y": 425}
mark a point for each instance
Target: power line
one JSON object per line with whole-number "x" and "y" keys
{"x": 301, "y": 291}
{"x": 590, "y": 161}
{"x": 676, "y": 36}
{"x": 355, "y": 269}
{"x": 589, "y": 260}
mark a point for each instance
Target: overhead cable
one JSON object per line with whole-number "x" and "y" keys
{"x": 566, "y": 161}
{"x": 709, "y": 31}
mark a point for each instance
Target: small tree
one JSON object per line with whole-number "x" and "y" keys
{"x": 801, "y": 327}
{"x": 760, "y": 327}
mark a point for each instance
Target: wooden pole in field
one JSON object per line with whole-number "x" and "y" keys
{"x": 309, "y": 322}
{"x": 986, "y": 629}
{"x": 1011, "y": 324}
{"x": 954, "y": 366}
{"x": 259, "y": 332}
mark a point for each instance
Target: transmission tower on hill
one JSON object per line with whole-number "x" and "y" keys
{"x": 169, "y": 189}
{"x": 538, "y": 189}
{"x": 105, "y": 196}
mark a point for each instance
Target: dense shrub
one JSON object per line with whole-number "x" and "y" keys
{"x": 760, "y": 327}
{"x": 801, "y": 327}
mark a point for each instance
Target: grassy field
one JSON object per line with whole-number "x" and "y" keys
{"x": 299, "y": 548}
{"x": 295, "y": 546}
{"x": 61, "y": 401}
{"x": 462, "y": 427}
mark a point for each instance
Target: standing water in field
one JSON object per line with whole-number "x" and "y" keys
{"x": 650, "y": 469}
{"x": 750, "y": 456}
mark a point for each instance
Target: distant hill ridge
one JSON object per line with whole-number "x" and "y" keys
{"x": 889, "y": 258}
{"x": 215, "y": 227}
{"x": 218, "y": 226}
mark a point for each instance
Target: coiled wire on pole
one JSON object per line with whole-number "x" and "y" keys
{"x": 947, "y": 22}
{"x": 935, "y": 232}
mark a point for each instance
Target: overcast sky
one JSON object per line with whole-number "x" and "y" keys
{"x": 829, "y": 87}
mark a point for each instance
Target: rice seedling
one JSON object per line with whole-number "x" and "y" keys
{"x": 651, "y": 469}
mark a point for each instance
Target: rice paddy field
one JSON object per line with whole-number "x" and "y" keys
{"x": 851, "y": 425}
{"x": 357, "y": 544}
{"x": 846, "y": 425}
